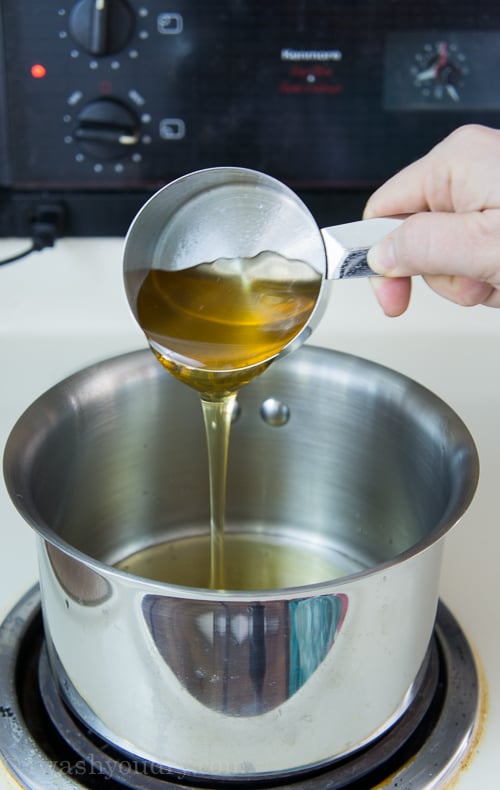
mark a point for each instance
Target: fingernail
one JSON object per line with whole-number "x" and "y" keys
{"x": 382, "y": 258}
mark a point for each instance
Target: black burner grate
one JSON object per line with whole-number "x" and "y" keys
{"x": 420, "y": 750}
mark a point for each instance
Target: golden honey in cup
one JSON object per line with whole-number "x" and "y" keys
{"x": 216, "y": 325}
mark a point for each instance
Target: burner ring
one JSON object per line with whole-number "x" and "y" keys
{"x": 433, "y": 745}
{"x": 96, "y": 751}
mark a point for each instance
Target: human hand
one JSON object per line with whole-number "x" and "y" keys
{"x": 452, "y": 236}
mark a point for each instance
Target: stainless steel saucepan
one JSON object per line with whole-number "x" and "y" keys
{"x": 338, "y": 461}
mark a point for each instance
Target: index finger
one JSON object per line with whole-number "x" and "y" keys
{"x": 404, "y": 193}
{"x": 455, "y": 176}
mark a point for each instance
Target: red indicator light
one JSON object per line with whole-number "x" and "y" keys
{"x": 38, "y": 71}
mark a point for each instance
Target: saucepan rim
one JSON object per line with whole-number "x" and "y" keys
{"x": 450, "y": 518}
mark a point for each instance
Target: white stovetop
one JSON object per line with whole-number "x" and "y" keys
{"x": 64, "y": 308}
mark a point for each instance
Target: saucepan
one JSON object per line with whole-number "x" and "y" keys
{"x": 349, "y": 469}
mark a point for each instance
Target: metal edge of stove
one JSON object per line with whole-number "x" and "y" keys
{"x": 22, "y": 756}
{"x": 28, "y": 764}
{"x": 459, "y": 720}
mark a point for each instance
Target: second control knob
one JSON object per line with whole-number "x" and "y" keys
{"x": 106, "y": 129}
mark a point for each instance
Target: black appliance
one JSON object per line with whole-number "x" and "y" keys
{"x": 103, "y": 101}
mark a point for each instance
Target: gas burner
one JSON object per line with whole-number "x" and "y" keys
{"x": 43, "y": 746}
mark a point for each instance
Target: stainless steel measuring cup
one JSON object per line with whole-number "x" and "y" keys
{"x": 237, "y": 213}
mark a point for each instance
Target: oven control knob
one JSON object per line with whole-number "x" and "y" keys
{"x": 101, "y": 27}
{"x": 106, "y": 129}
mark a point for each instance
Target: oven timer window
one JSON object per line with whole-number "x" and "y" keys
{"x": 442, "y": 70}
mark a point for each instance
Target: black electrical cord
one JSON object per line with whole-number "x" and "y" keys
{"x": 19, "y": 255}
{"x": 46, "y": 227}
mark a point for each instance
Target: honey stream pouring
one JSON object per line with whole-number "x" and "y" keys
{"x": 225, "y": 270}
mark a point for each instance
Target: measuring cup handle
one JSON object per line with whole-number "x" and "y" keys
{"x": 347, "y": 245}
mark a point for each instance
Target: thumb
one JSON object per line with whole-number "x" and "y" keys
{"x": 435, "y": 243}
